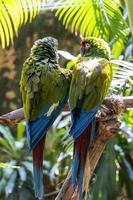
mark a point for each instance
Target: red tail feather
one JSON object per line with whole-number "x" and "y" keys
{"x": 38, "y": 153}
{"x": 38, "y": 168}
{"x": 81, "y": 145}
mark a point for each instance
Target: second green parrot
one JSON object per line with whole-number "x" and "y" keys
{"x": 91, "y": 79}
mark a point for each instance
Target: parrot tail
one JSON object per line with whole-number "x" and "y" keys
{"x": 81, "y": 145}
{"x": 38, "y": 168}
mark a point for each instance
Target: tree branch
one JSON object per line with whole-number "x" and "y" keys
{"x": 12, "y": 118}
{"x": 16, "y": 116}
{"x": 108, "y": 126}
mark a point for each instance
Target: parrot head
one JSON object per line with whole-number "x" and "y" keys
{"x": 93, "y": 46}
{"x": 47, "y": 41}
{"x": 45, "y": 46}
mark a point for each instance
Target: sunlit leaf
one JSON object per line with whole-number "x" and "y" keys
{"x": 4, "y": 165}
{"x": 20, "y": 131}
{"x": 11, "y": 183}
{"x": 5, "y": 131}
{"x": 67, "y": 55}
{"x": 14, "y": 13}
{"x": 94, "y": 18}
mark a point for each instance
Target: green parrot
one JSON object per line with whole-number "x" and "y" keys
{"x": 92, "y": 75}
{"x": 44, "y": 86}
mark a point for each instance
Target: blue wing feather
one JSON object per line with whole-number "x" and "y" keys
{"x": 36, "y": 129}
{"x": 80, "y": 124}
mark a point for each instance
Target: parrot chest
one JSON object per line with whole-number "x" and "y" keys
{"x": 90, "y": 83}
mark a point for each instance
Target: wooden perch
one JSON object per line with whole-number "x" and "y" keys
{"x": 12, "y": 118}
{"x": 108, "y": 125}
{"x": 16, "y": 116}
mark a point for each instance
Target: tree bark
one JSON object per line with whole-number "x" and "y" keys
{"x": 108, "y": 126}
{"x": 12, "y": 118}
{"x": 16, "y": 116}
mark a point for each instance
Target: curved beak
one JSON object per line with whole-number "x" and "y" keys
{"x": 82, "y": 50}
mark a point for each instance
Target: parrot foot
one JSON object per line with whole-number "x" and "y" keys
{"x": 75, "y": 195}
{"x": 104, "y": 112}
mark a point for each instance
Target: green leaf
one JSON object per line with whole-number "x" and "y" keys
{"x": 128, "y": 117}
{"x": 13, "y": 14}
{"x": 67, "y": 55}
{"x": 104, "y": 184}
{"x": 20, "y": 131}
{"x": 2, "y": 185}
{"x": 5, "y": 131}
{"x": 128, "y": 168}
{"x": 11, "y": 183}
{"x": 28, "y": 165}
{"x": 22, "y": 174}
{"x": 4, "y": 165}
{"x": 100, "y": 18}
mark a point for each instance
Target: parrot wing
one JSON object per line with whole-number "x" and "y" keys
{"x": 44, "y": 92}
{"x": 89, "y": 86}
{"x": 44, "y": 86}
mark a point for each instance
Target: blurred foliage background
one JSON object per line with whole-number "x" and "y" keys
{"x": 113, "y": 177}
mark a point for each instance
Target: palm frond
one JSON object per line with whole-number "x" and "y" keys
{"x": 100, "y": 18}
{"x": 5, "y": 165}
{"x": 123, "y": 63}
{"x": 122, "y": 72}
{"x": 15, "y": 13}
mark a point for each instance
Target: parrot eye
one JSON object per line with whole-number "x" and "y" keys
{"x": 87, "y": 46}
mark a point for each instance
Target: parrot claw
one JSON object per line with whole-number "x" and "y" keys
{"x": 105, "y": 111}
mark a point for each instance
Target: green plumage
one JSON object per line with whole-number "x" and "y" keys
{"x": 92, "y": 75}
{"x": 42, "y": 81}
{"x": 97, "y": 48}
{"x": 44, "y": 86}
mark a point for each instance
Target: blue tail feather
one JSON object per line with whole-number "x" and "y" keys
{"x": 81, "y": 145}
{"x": 75, "y": 169}
{"x": 83, "y": 132}
{"x": 38, "y": 179}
